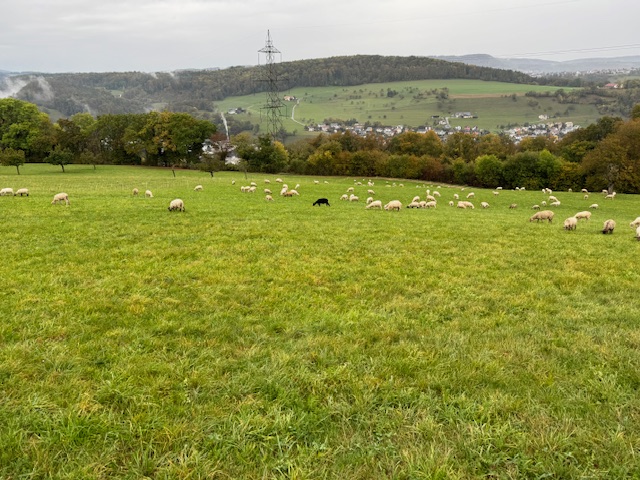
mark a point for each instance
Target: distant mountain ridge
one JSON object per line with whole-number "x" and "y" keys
{"x": 537, "y": 66}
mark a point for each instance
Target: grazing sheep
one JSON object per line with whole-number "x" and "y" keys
{"x": 536, "y": 207}
{"x": 586, "y": 215}
{"x": 135, "y": 192}
{"x": 584, "y": 190}
{"x": 279, "y": 180}
{"x": 593, "y": 205}
{"x": 369, "y": 200}
{"x": 496, "y": 193}
{"x": 484, "y": 204}
{"x": 253, "y": 184}
{"x": 570, "y": 223}
{"x": 431, "y": 198}
{"x": 416, "y": 198}
{"x": 513, "y": 205}
{"x": 611, "y": 196}
{"x": 350, "y": 190}
{"x": 451, "y": 203}
{"x": 393, "y": 205}
{"x": 176, "y": 204}
{"x": 543, "y": 203}
{"x": 284, "y": 190}
{"x": 344, "y": 197}
{"x": 552, "y": 198}
{"x": 252, "y": 189}
{"x": 321, "y": 201}
{"x": 21, "y": 192}
{"x": 608, "y": 226}
{"x": 233, "y": 182}
{"x": 498, "y": 188}
{"x": 266, "y": 180}
{"x": 586, "y": 197}
{"x": 465, "y": 205}
{"x": 148, "y": 194}
{"x": 456, "y": 196}
{"x": 290, "y": 193}
{"x": 197, "y": 188}
{"x": 353, "y": 198}
{"x": 555, "y": 204}
{"x": 6, "y": 191}
{"x": 542, "y": 215}
{"x": 635, "y": 223}
{"x": 375, "y": 204}
{"x": 267, "y": 191}
{"x": 414, "y": 205}
{"x": 430, "y": 205}
{"x": 371, "y": 192}
{"x": 470, "y": 195}
{"x": 436, "y": 193}
{"x": 268, "y": 198}
{"x": 60, "y": 197}
{"x": 317, "y": 182}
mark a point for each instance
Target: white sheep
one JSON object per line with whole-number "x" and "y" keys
{"x": 393, "y": 205}
{"x": 369, "y": 200}
{"x": 484, "y": 204}
{"x": 593, "y": 206}
{"x": 584, "y": 190}
{"x": 465, "y": 205}
{"x": 6, "y": 191}
{"x": 176, "y": 204}
{"x": 252, "y": 189}
{"x": 353, "y": 198}
{"x": 350, "y": 190}
{"x": 555, "y": 204}
{"x": 552, "y": 198}
{"x": 267, "y": 191}
{"x": 60, "y": 197}
{"x": 135, "y": 192}
{"x": 430, "y": 204}
{"x": 451, "y": 203}
{"x": 284, "y": 190}
{"x": 586, "y": 197}
{"x": 416, "y": 198}
{"x": 496, "y": 193}
{"x": 436, "y": 193}
{"x": 611, "y": 196}
{"x": 253, "y": 184}
{"x": 542, "y": 215}
{"x": 266, "y": 180}
{"x": 268, "y": 198}
{"x": 371, "y": 192}
{"x": 279, "y": 180}
{"x": 22, "y": 191}
{"x": 148, "y": 194}
{"x": 635, "y": 223}
{"x": 470, "y": 195}
{"x": 197, "y": 188}
{"x": 543, "y": 203}
{"x": 608, "y": 226}
{"x": 344, "y": 197}
{"x": 456, "y": 196}
{"x": 536, "y": 207}
{"x": 414, "y": 205}
{"x": 375, "y": 204}
{"x": 570, "y": 223}
{"x": 431, "y": 198}
{"x": 586, "y": 215}
{"x": 513, "y": 206}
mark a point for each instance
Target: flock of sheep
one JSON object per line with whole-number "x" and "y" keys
{"x": 430, "y": 201}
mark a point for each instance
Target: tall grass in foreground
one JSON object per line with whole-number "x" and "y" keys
{"x": 246, "y": 339}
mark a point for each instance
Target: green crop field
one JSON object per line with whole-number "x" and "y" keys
{"x": 415, "y": 103}
{"x": 253, "y": 339}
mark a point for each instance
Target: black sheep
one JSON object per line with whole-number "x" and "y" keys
{"x": 321, "y": 201}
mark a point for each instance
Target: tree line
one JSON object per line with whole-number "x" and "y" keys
{"x": 604, "y": 155}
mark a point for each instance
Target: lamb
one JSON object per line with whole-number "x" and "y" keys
{"x": 536, "y": 207}
{"x": 416, "y": 199}
{"x": 635, "y": 223}
{"x": 584, "y": 190}
{"x": 593, "y": 206}
{"x": 371, "y": 192}
{"x": 414, "y": 205}
{"x": 148, "y": 194}
{"x": 513, "y": 206}
{"x": 267, "y": 191}
{"x": 268, "y": 198}
{"x": 608, "y": 227}
{"x": 60, "y": 197}
{"x": 451, "y": 203}
{"x": 369, "y": 200}
{"x": 7, "y": 191}
{"x": 135, "y": 192}
{"x": 252, "y": 189}
{"x": 555, "y": 204}
{"x": 266, "y": 180}
{"x": 279, "y": 180}
{"x": 284, "y": 190}
{"x": 253, "y": 184}
{"x": 552, "y": 198}
{"x": 611, "y": 196}
{"x": 586, "y": 215}
{"x": 465, "y": 205}
{"x": 542, "y": 215}
{"x": 290, "y": 193}
{"x": 393, "y": 205}
{"x": 344, "y": 197}
{"x": 430, "y": 205}
{"x": 176, "y": 204}
{"x": 496, "y": 193}
{"x": 350, "y": 190}
{"x": 570, "y": 223}
{"x": 469, "y": 205}
{"x": 470, "y": 195}
{"x": 321, "y": 201}
{"x": 431, "y": 198}
{"x": 197, "y": 188}
{"x": 21, "y": 192}
{"x": 436, "y": 193}
{"x": 484, "y": 204}
{"x": 353, "y": 198}
{"x": 586, "y": 197}
{"x": 375, "y": 204}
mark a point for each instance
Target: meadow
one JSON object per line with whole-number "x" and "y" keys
{"x": 416, "y": 102}
{"x": 252, "y": 339}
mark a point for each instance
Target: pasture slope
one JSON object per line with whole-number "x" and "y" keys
{"x": 253, "y": 339}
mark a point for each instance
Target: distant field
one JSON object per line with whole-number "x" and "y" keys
{"x": 247, "y": 339}
{"x": 415, "y": 103}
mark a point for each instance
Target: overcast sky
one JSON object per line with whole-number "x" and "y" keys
{"x": 163, "y": 35}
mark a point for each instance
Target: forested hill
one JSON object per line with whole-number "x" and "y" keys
{"x": 197, "y": 90}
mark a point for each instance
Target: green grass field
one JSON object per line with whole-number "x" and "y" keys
{"x": 415, "y": 103}
{"x": 247, "y": 339}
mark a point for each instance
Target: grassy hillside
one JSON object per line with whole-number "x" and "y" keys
{"x": 247, "y": 339}
{"x": 415, "y": 103}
